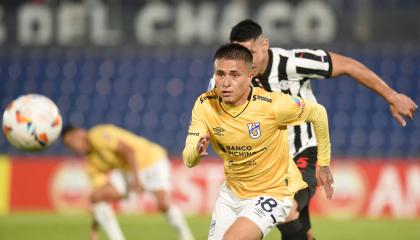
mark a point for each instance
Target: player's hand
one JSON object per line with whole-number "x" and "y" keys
{"x": 325, "y": 180}
{"x": 401, "y": 105}
{"x": 203, "y": 145}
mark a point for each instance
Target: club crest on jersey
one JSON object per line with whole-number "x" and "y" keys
{"x": 254, "y": 130}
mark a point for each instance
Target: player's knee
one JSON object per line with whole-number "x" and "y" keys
{"x": 163, "y": 206}
{"x": 163, "y": 200}
{"x": 95, "y": 198}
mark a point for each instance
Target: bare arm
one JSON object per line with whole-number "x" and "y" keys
{"x": 127, "y": 153}
{"x": 400, "y": 104}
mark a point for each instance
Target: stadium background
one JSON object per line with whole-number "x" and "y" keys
{"x": 141, "y": 64}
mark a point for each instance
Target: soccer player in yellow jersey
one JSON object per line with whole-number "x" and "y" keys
{"x": 119, "y": 161}
{"x": 290, "y": 71}
{"x": 248, "y": 129}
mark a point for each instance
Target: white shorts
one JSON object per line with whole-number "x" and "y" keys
{"x": 264, "y": 211}
{"x": 153, "y": 178}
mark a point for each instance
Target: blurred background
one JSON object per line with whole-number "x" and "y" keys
{"x": 141, "y": 64}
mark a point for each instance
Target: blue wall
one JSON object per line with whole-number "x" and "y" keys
{"x": 151, "y": 91}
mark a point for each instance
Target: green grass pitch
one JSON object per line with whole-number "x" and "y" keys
{"x": 45, "y": 226}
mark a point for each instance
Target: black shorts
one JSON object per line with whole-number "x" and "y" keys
{"x": 306, "y": 162}
{"x": 302, "y": 198}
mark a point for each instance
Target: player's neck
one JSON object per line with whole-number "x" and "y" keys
{"x": 264, "y": 65}
{"x": 244, "y": 99}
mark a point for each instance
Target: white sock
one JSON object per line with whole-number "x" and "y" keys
{"x": 176, "y": 220}
{"x": 104, "y": 215}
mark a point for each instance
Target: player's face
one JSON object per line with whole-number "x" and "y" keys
{"x": 259, "y": 49}
{"x": 233, "y": 78}
{"x": 77, "y": 141}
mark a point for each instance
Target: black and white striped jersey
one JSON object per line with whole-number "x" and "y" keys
{"x": 290, "y": 71}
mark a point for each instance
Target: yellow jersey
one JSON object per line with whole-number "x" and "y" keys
{"x": 252, "y": 140}
{"x": 103, "y": 157}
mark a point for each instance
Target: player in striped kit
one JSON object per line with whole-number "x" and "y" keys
{"x": 290, "y": 71}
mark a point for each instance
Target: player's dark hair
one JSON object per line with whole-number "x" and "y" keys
{"x": 234, "y": 51}
{"x": 67, "y": 128}
{"x": 245, "y": 30}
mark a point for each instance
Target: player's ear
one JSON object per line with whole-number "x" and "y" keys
{"x": 250, "y": 76}
{"x": 265, "y": 43}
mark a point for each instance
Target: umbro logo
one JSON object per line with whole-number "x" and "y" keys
{"x": 218, "y": 131}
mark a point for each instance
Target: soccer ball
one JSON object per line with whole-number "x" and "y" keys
{"x": 32, "y": 122}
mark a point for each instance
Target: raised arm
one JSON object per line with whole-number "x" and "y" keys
{"x": 400, "y": 104}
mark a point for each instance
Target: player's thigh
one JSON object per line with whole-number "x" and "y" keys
{"x": 157, "y": 176}
{"x": 223, "y": 216}
{"x": 266, "y": 212}
{"x": 243, "y": 229}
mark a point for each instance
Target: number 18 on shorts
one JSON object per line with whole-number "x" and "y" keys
{"x": 264, "y": 211}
